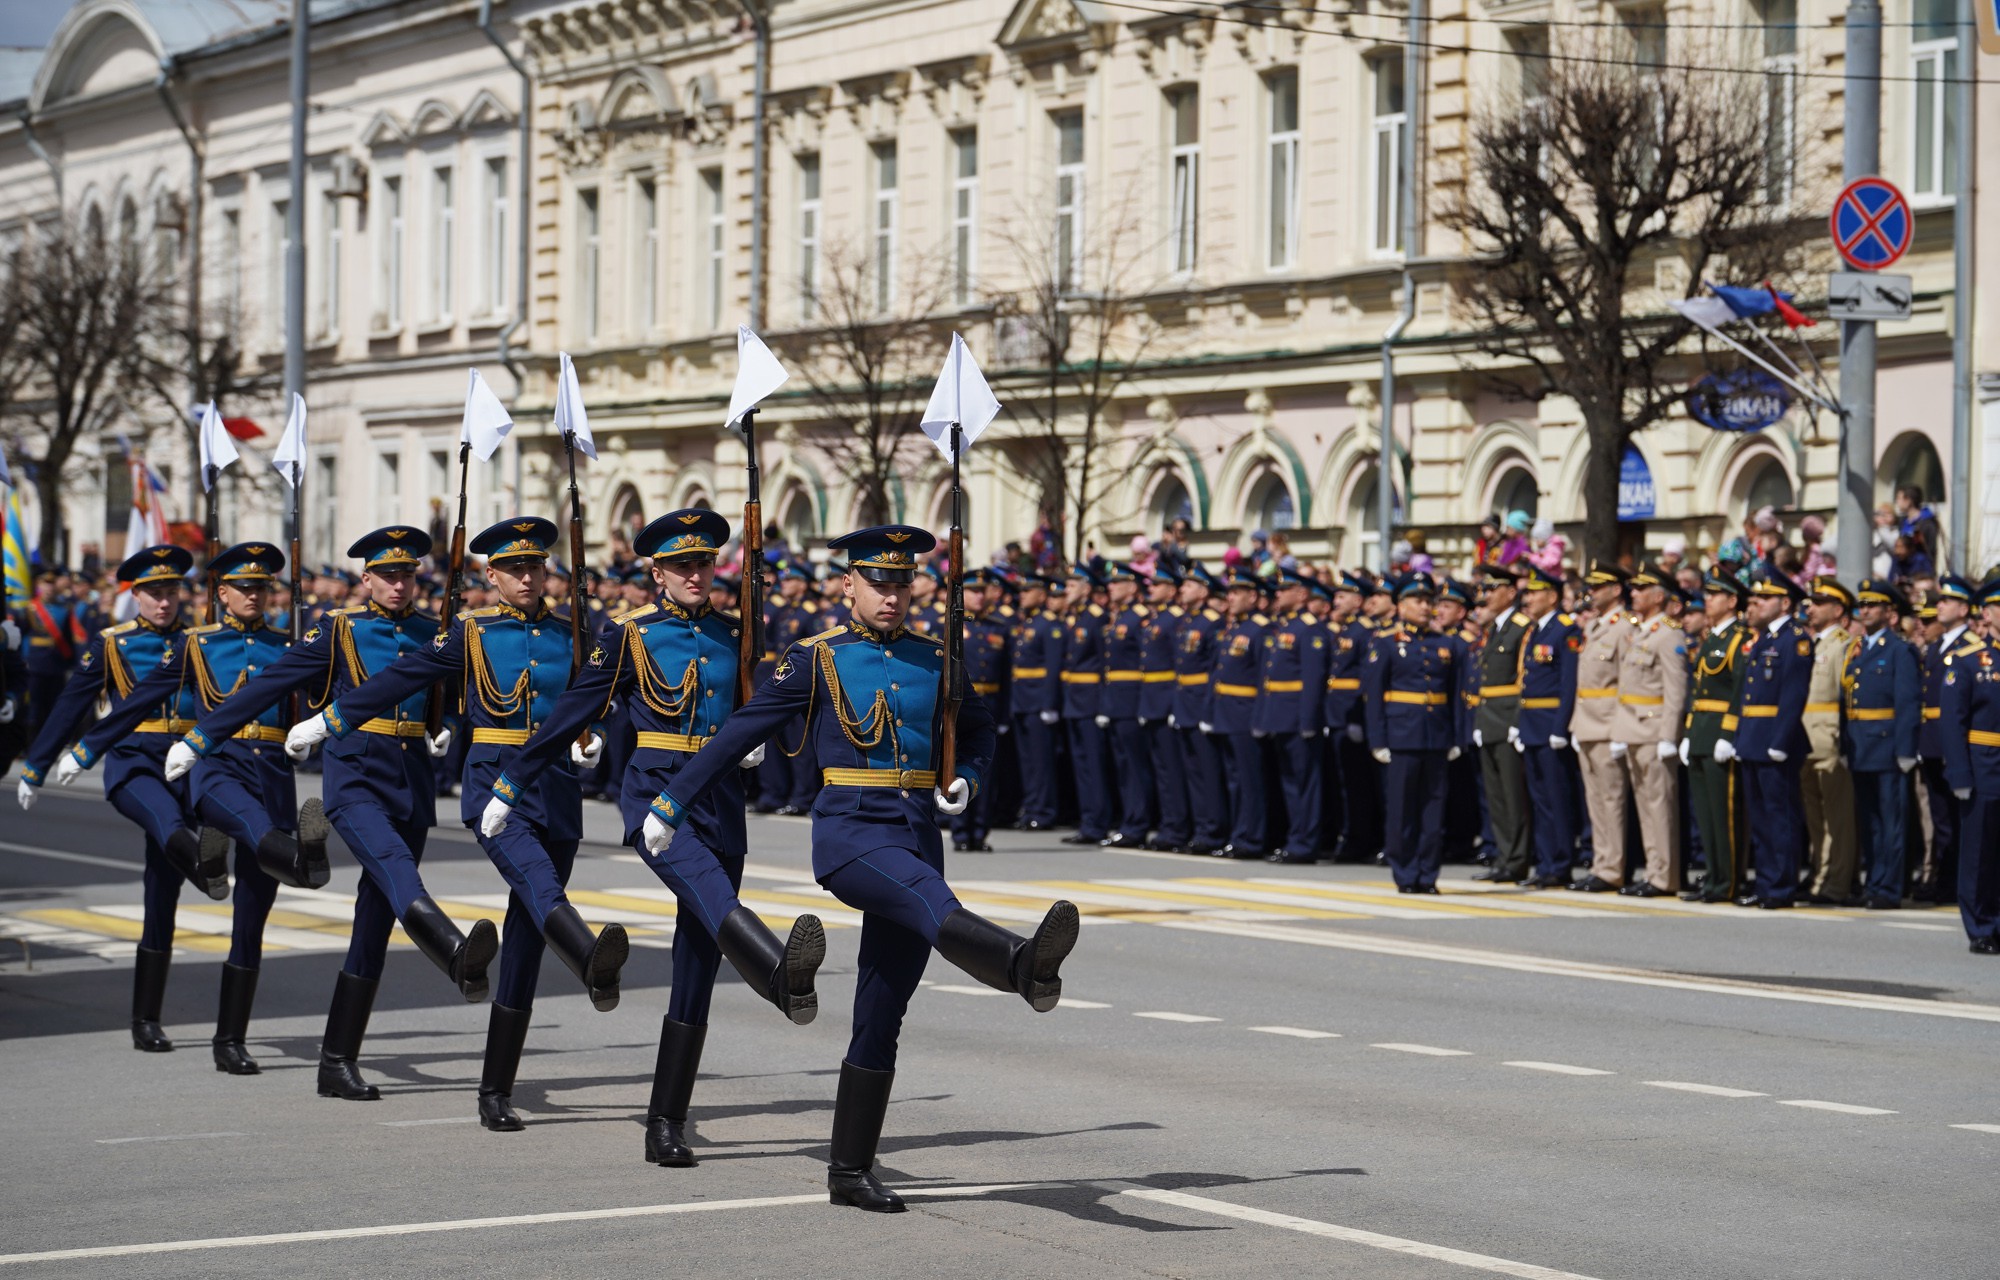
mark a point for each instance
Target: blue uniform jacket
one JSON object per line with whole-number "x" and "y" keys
{"x": 1194, "y": 667}
{"x": 388, "y": 764}
{"x": 1346, "y": 650}
{"x": 1548, "y": 677}
{"x": 1930, "y": 742}
{"x": 510, "y": 669}
{"x": 675, "y": 669}
{"x": 1884, "y": 702}
{"x": 112, "y": 664}
{"x": 1239, "y": 657}
{"x": 989, "y": 638}
{"x": 1124, "y": 662}
{"x": 1970, "y": 722}
{"x": 1771, "y": 701}
{"x": 872, "y": 707}
{"x": 1413, "y": 691}
{"x": 1292, "y": 676}
{"x": 1083, "y": 664}
{"x": 55, "y": 635}
{"x": 1038, "y": 663}
{"x": 1156, "y": 660}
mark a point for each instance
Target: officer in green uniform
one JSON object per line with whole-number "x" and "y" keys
{"x": 1718, "y": 801}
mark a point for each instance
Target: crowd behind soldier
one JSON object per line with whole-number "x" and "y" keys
{"x": 1615, "y": 722}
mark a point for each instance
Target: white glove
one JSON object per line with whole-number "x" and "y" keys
{"x": 1452, "y": 753}
{"x": 306, "y": 735}
{"x": 180, "y": 760}
{"x": 1354, "y": 733}
{"x": 25, "y": 793}
{"x": 1206, "y": 727}
{"x": 440, "y": 744}
{"x": 1961, "y": 793}
{"x": 1518, "y": 745}
{"x": 1725, "y": 751}
{"x": 954, "y": 801}
{"x": 1000, "y": 727}
{"x": 494, "y": 820}
{"x": 1309, "y": 734}
{"x": 1906, "y": 763}
{"x": 1557, "y": 742}
{"x": 1666, "y": 750}
{"x": 657, "y": 834}
{"x": 1514, "y": 736}
{"x": 1173, "y": 721}
{"x": 586, "y": 754}
{"x": 755, "y": 758}
{"x": 1684, "y": 750}
{"x": 1143, "y": 722}
{"x": 6, "y": 711}
{"x": 1050, "y": 717}
{"x": 1618, "y": 750}
{"x": 1777, "y": 756}
{"x": 1381, "y": 755}
{"x": 11, "y": 633}
{"x": 1478, "y": 738}
{"x": 66, "y": 769}
{"x": 1102, "y": 722}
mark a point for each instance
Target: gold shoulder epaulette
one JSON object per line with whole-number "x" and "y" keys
{"x": 827, "y": 634}
{"x": 1096, "y": 611}
{"x": 1567, "y": 619}
{"x": 488, "y": 611}
{"x": 348, "y": 609}
{"x": 1260, "y": 619}
{"x": 119, "y": 628}
{"x": 620, "y": 619}
{"x": 927, "y": 637}
{"x": 205, "y": 628}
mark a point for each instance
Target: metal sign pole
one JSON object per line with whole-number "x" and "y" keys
{"x": 1861, "y": 155}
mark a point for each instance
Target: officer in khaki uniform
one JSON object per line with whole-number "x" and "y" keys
{"x": 1604, "y": 787}
{"x": 1652, "y": 702}
{"x": 1824, "y": 782}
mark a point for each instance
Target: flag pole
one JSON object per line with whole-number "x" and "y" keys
{"x": 577, "y": 636}
{"x": 954, "y": 646}
{"x": 434, "y": 707}
{"x": 750, "y": 599}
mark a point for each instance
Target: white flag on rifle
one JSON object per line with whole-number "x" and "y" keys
{"x": 571, "y": 420}
{"x": 218, "y": 449}
{"x": 961, "y": 396}
{"x": 290, "y": 459}
{"x": 486, "y": 419}
{"x": 758, "y": 374}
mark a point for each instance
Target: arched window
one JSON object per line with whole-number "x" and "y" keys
{"x": 1518, "y": 490}
{"x": 1270, "y": 505}
{"x": 795, "y": 518}
{"x": 1769, "y": 487}
{"x": 1914, "y": 460}
{"x": 93, "y": 226}
{"x": 1364, "y": 525}
{"x": 628, "y": 512}
{"x": 1171, "y": 502}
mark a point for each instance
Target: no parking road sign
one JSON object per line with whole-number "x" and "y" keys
{"x": 1871, "y": 224}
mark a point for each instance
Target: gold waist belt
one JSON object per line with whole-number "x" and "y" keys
{"x": 1030, "y": 673}
{"x": 1198, "y": 678}
{"x": 897, "y": 779}
{"x": 1159, "y": 677}
{"x": 1237, "y": 690}
{"x": 1499, "y": 690}
{"x": 260, "y": 733}
{"x": 1872, "y": 713}
{"x": 1081, "y": 677}
{"x": 1540, "y": 704}
{"x": 1762, "y": 711}
{"x": 1823, "y": 708}
{"x": 395, "y": 728}
{"x": 1597, "y": 693}
{"x": 500, "y": 737}
{"x": 1709, "y": 704}
{"x": 1284, "y": 686}
{"x": 985, "y": 687}
{"x": 1124, "y": 677}
{"x": 1983, "y": 738}
{"x": 670, "y": 741}
{"x": 164, "y": 726}
{"x": 1415, "y": 699}
{"x": 1640, "y": 700}
{"x": 1933, "y": 713}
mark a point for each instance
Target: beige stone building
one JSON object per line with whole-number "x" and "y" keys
{"x": 949, "y": 155}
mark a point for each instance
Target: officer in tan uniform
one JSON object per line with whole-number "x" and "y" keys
{"x": 1652, "y": 700}
{"x": 1605, "y": 639}
{"x": 1824, "y": 783}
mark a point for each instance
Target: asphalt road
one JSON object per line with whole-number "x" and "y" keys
{"x": 1257, "y": 1071}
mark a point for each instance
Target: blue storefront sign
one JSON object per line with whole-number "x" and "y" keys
{"x": 1742, "y": 400}
{"x": 1635, "y": 486}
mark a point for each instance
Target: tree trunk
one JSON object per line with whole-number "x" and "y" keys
{"x": 1600, "y": 485}
{"x": 48, "y": 494}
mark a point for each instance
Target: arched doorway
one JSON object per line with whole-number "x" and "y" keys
{"x": 1362, "y": 544}
{"x": 628, "y": 514}
{"x": 1516, "y": 489}
{"x": 795, "y": 518}
{"x": 1767, "y": 485}
{"x": 1910, "y": 459}
{"x": 1171, "y": 502}
{"x": 1270, "y": 506}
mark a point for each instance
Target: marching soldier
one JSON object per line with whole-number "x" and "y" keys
{"x": 1937, "y": 881}
{"x": 1501, "y": 659}
{"x": 53, "y": 624}
{"x": 1605, "y": 637}
{"x": 511, "y": 662}
{"x": 1038, "y": 643}
{"x": 135, "y": 783}
{"x": 988, "y": 639}
{"x": 1712, "y": 781}
{"x": 1541, "y": 728}
{"x": 1124, "y": 679}
{"x": 1652, "y": 705}
{"x": 1082, "y": 707}
{"x": 379, "y": 790}
{"x": 871, "y": 694}
{"x": 245, "y": 786}
{"x": 1883, "y": 703}
{"x": 1970, "y": 726}
{"x": 1291, "y": 686}
{"x": 1413, "y": 695}
{"x": 1158, "y": 691}
{"x": 1194, "y": 663}
{"x": 1825, "y": 786}
{"x": 1232, "y": 713}
{"x": 1770, "y": 737}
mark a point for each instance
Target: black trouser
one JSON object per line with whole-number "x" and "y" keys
{"x": 1506, "y": 781}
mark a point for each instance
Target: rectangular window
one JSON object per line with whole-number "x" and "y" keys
{"x": 388, "y": 488}
{"x": 590, "y": 252}
{"x": 1184, "y": 207}
{"x": 493, "y": 262}
{"x": 649, "y": 253}
{"x": 1530, "y": 49}
{"x": 1781, "y": 67}
{"x": 808, "y": 238}
{"x": 232, "y": 265}
{"x": 322, "y": 485}
{"x": 1069, "y": 199}
{"x": 389, "y": 262}
{"x": 326, "y": 318}
{"x": 1390, "y": 135}
{"x": 713, "y": 242}
{"x": 276, "y": 242}
{"x": 443, "y": 242}
{"x": 885, "y": 224}
{"x": 1933, "y": 115}
{"x": 964, "y": 215}
{"x": 1281, "y": 91}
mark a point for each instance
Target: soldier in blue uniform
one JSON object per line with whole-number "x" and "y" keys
{"x": 1083, "y": 707}
{"x": 1769, "y": 741}
{"x": 1938, "y": 880}
{"x": 871, "y": 694}
{"x": 673, "y": 661}
{"x": 1239, "y": 657}
{"x": 1351, "y": 805}
{"x": 245, "y": 786}
{"x": 379, "y": 789}
{"x": 1036, "y": 691}
{"x": 1882, "y": 701}
{"x": 1157, "y": 683}
{"x": 1541, "y": 727}
{"x": 1124, "y": 680}
{"x": 1413, "y": 697}
{"x": 988, "y": 641}
{"x": 1970, "y": 725}
{"x": 111, "y": 665}
{"x": 52, "y": 622}
{"x": 1194, "y": 665}
{"x": 1291, "y": 695}
{"x": 510, "y": 662}
{"x": 13, "y": 690}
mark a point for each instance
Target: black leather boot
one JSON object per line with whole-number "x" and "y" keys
{"x": 506, "y": 1032}
{"x": 673, "y": 1085}
{"x": 298, "y": 860}
{"x": 462, "y": 956}
{"x": 858, "y": 1111}
{"x": 346, "y": 1024}
{"x": 595, "y": 958}
{"x": 202, "y": 860}
{"x": 149, "y": 989}
{"x": 232, "y": 1021}
{"x": 1026, "y": 966}
{"x": 781, "y": 974}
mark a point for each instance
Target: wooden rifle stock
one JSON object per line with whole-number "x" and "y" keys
{"x": 954, "y": 629}
{"x": 434, "y": 707}
{"x": 578, "y": 640}
{"x": 750, "y": 646}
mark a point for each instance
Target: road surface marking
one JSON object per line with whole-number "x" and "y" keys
{"x": 1354, "y": 1235}
{"x": 1918, "y": 924}
{"x": 1315, "y": 904}
{"x": 1713, "y": 1090}
{"x": 409, "y": 1124}
{"x": 64, "y": 855}
{"x": 1068, "y": 1003}
{"x": 966, "y": 991}
{"x": 170, "y": 1137}
{"x": 1979, "y": 1128}
{"x": 1177, "y": 1017}
{"x": 1431, "y": 1050}
{"x": 1844, "y": 1108}
{"x": 1559, "y": 1068}
{"x": 1298, "y": 1033}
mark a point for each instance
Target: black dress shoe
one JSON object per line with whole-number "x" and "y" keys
{"x": 1200, "y": 848}
{"x": 1226, "y": 851}
{"x": 1283, "y": 858}
{"x": 959, "y": 846}
{"x": 1077, "y": 837}
{"x": 1873, "y": 903}
{"x": 1646, "y": 889}
{"x": 1985, "y": 947}
{"x": 1748, "y": 900}
{"x": 1772, "y": 904}
{"x": 1695, "y": 895}
{"x": 1427, "y": 888}
{"x": 1120, "y": 840}
{"x": 1591, "y": 884}
{"x": 1029, "y": 824}
{"x": 1406, "y": 888}
{"x": 980, "y": 846}
{"x": 785, "y": 811}
{"x": 1715, "y": 896}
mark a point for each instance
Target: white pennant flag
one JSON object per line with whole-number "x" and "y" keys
{"x": 1710, "y": 313}
{"x": 961, "y": 396}
{"x": 571, "y": 420}
{"x": 758, "y": 374}
{"x": 218, "y": 449}
{"x": 486, "y": 419}
{"x": 290, "y": 459}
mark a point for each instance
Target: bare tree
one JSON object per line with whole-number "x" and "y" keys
{"x": 1575, "y": 195}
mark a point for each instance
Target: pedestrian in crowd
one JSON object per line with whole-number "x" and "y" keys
{"x": 1917, "y": 522}
{"x": 1816, "y": 562}
{"x": 1515, "y": 543}
{"x": 1549, "y": 550}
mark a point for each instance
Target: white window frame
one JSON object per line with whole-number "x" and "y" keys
{"x": 885, "y": 215}
{"x": 1941, "y": 58}
{"x": 964, "y": 216}
{"x": 1282, "y": 153}
{"x": 590, "y": 259}
{"x": 1184, "y": 182}
{"x": 392, "y": 251}
{"x": 646, "y": 232}
{"x": 811, "y": 212}
{"x": 232, "y": 262}
{"x": 495, "y": 278}
{"x": 328, "y": 264}
{"x": 443, "y": 246}
{"x": 715, "y": 245}
{"x": 275, "y": 244}
{"x": 388, "y": 496}
{"x": 1069, "y": 203}
{"x": 1385, "y": 188}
